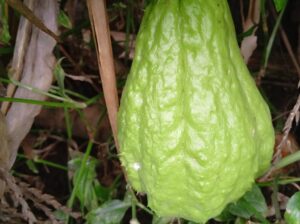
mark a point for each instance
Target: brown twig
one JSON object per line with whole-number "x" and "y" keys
{"x": 101, "y": 33}
{"x": 28, "y": 14}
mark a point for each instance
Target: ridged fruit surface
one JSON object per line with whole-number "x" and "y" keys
{"x": 194, "y": 131}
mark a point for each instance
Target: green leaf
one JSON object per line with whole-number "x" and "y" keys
{"x": 60, "y": 215}
{"x": 44, "y": 103}
{"x": 252, "y": 204}
{"x": 102, "y": 193}
{"x": 119, "y": 5}
{"x": 80, "y": 175}
{"x": 268, "y": 48}
{"x": 109, "y": 213}
{"x": 4, "y": 28}
{"x": 31, "y": 165}
{"x": 292, "y": 214}
{"x": 6, "y": 50}
{"x": 240, "y": 221}
{"x": 256, "y": 199}
{"x": 247, "y": 33}
{"x": 225, "y": 216}
{"x": 86, "y": 192}
{"x": 288, "y": 160}
{"x": 4, "y": 33}
{"x": 64, "y": 20}
{"x": 60, "y": 75}
{"x": 161, "y": 220}
{"x": 279, "y": 4}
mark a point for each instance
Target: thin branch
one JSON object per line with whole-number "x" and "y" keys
{"x": 99, "y": 22}
{"x": 28, "y": 14}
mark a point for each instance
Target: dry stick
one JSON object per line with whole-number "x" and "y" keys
{"x": 101, "y": 33}
{"x": 27, "y": 12}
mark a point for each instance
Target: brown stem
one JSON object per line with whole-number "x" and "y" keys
{"x": 101, "y": 33}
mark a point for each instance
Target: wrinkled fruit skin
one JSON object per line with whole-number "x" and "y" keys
{"x": 194, "y": 131}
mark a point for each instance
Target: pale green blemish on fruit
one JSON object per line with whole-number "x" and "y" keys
{"x": 194, "y": 131}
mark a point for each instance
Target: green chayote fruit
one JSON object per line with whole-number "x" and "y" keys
{"x": 194, "y": 131}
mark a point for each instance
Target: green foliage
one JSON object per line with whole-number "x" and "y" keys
{"x": 292, "y": 214}
{"x": 87, "y": 182}
{"x": 60, "y": 75}
{"x": 252, "y": 204}
{"x": 110, "y": 212}
{"x": 4, "y": 28}
{"x": 292, "y": 158}
{"x": 247, "y": 33}
{"x": 80, "y": 176}
{"x": 90, "y": 192}
{"x": 64, "y": 20}
{"x": 119, "y": 5}
{"x": 161, "y": 220}
{"x": 54, "y": 93}
{"x": 280, "y": 4}
{"x": 6, "y": 50}
{"x": 4, "y": 35}
{"x": 269, "y": 45}
{"x": 31, "y": 165}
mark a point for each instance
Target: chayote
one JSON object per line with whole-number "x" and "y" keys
{"x": 194, "y": 131}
